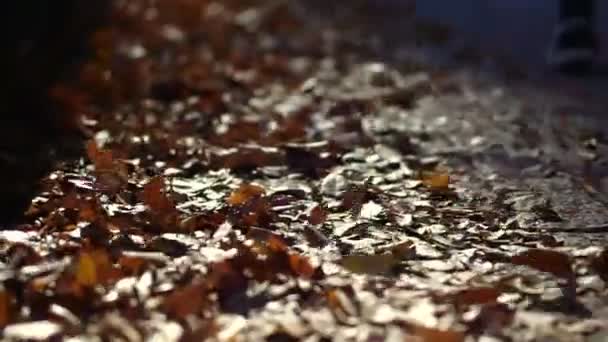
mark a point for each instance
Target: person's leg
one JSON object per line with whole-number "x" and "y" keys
{"x": 574, "y": 45}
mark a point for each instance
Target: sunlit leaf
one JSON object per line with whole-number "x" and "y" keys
{"x": 94, "y": 267}
{"x": 244, "y": 193}
{"x": 86, "y": 270}
{"x": 301, "y": 266}
{"x": 435, "y": 180}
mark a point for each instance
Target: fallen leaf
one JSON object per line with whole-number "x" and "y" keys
{"x": 317, "y": 215}
{"x": 370, "y": 264}
{"x": 436, "y": 180}
{"x": 245, "y": 193}
{"x": 5, "y": 308}
{"x": 301, "y": 266}
{"x": 103, "y": 160}
{"x": 338, "y": 301}
{"x": 86, "y": 272}
{"x": 556, "y": 263}
{"x": 425, "y": 334}
{"x": 476, "y": 296}
{"x": 155, "y": 196}
{"x": 94, "y": 267}
{"x": 186, "y": 301}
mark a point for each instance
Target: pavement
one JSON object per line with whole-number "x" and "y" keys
{"x": 519, "y": 31}
{"x": 527, "y": 117}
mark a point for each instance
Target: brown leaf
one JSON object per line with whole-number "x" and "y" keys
{"x": 132, "y": 265}
{"x": 155, "y": 196}
{"x": 476, "y": 296}
{"x": 317, "y": 215}
{"x": 433, "y": 335}
{"x": 6, "y": 310}
{"x": 103, "y": 160}
{"x": 556, "y": 263}
{"x": 110, "y": 174}
{"x": 186, "y": 301}
{"x": 311, "y": 164}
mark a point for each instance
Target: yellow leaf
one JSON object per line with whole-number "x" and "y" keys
{"x": 369, "y": 264}
{"x": 436, "y": 180}
{"x": 86, "y": 273}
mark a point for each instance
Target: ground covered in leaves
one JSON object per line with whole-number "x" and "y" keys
{"x": 249, "y": 178}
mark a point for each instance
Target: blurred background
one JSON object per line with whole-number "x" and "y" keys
{"x": 521, "y": 29}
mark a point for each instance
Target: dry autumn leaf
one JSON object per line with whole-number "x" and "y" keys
{"x": 370, "y": 264}
{"x": 245, "y": 193}
{"x": 103, "y": 160}
{"x": 301, "y": 266}
{"x": 556, "y": 263}
{"x": 86, "y": 272}
{"x": 93, "y": 267}
{"x": 155, "y": 196}
{"x": 436, "y": 180}
{"x": 425, "y": 334}
{"x": 317, "y": 215}
{"x": 476, "y": 296}
{"x": 5, "y": 308}
{"x": 186, "y": 301}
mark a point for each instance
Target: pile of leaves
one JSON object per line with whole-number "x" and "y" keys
{"x": 244, "y": 181}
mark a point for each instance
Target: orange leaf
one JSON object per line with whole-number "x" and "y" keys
{"x": 93, "y": 267}
{"x": 244, "y": 193}
{"x": 86, "y": 270}
{"x": 436, "y": 180}
{"x": 301, "y": 266}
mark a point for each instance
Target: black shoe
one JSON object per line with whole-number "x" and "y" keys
{"x": 574, "y": 48}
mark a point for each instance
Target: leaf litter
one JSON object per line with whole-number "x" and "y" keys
{"x": 252, "y": 184}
